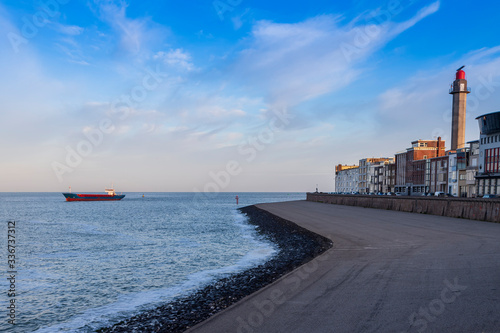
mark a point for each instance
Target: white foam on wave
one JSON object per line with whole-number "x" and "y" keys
{"x": 128, "y": 305}
{"x": 263, "y": 249}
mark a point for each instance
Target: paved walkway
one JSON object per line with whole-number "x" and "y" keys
{"x": 387, "y": 272}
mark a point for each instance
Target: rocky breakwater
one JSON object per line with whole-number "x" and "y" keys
{"x": 296, "y": 246}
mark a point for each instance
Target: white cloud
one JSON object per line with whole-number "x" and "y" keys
{"x": 135, "y": 35}
{"x": 178, "y": 58}
{"x": 300, "y": 61}
{"x": 205, "y": 112}
{"x": 72, "y": 30}
{"x": 423, "y": 13}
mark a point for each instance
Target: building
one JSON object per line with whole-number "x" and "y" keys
{"x": 385, "y": 177}
{"x": 346, "y": 178}
{"x": 452, "y": 174}
{"x": 427, "y": 167}
{"x": 457, "y": 172}
{"x": 472, "y": 168}
{"x": 368, "y": 178}
{"x": 459, "y": 90}
{"x": 379, "y": 178}
{"x": 438, "y": 171}
{"x": 488, "y": 175}
{"x": 400, "y": 185}
{"x": 412, "y": 174}
{"x": 390, "y": 177}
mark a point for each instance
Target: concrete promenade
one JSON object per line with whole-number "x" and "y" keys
{"x": 388, "y": 271}
{"x": 466, "y": 208}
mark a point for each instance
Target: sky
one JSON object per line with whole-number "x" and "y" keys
{"x": 230, "y": 95}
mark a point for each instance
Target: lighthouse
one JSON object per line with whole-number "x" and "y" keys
{"x": 459, "y": 90}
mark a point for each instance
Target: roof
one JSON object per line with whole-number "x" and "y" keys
{"x": 489, "y": 123}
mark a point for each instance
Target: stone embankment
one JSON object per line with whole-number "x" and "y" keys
{"x": 467, "y": 208}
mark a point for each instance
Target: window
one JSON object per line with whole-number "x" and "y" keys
{"x": 492, "y": 159}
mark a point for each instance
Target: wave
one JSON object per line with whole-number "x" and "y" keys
{"x": 128, "y": 305}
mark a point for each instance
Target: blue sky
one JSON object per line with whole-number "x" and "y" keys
{"x": 230, "y": 95}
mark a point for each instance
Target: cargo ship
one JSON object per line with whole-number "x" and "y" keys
{"x": 109, "y": 196}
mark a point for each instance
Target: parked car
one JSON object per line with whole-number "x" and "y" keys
{"x": 489, "y": 196}
{"x": 399, "y": 193}
{"x": 445, "y": 195}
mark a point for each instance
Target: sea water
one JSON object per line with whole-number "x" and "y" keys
{"x": 80, "y": 266}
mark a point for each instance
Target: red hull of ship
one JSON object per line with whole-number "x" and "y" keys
{"x": 92, "y": 197}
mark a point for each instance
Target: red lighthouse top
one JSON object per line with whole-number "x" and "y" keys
{"x": 460, "y": 75}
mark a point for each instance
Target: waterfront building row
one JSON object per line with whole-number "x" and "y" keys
{"x": 426, "y": 167}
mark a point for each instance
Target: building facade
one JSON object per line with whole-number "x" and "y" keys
{"x": 438, "y": 174}
{"x": 488, "y": 175}
{"x": 346, "y": 178}
{"x": 457, "y": 172}
{"x": 412, "y": 169}
{"x": 400, "y": 185}
{"x": 452, "y": 174}
{"x": 390, "y": 178}
{"x": 472, "y": 168}
{"x": 368, "y": 173}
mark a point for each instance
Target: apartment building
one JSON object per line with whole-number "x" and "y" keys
{"x": 488, "y": 175}
{"x": 346, "y": 178}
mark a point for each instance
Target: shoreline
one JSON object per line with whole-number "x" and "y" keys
{"x": 296, "y": 246}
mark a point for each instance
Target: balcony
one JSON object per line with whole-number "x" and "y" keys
{"x": 451, "y": 90}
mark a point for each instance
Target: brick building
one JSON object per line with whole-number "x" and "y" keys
{"x": 411, "y": 166}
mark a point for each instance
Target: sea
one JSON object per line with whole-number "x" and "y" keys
{"x": 81, "y": 266}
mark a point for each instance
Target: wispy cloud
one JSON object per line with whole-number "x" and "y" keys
{"x": 422, "y": 13}
{"x": 177, "y": 57}
{"x": 134, "y": 34}
{"x": 299, "y": 61}
{"x": 71, "y": 30}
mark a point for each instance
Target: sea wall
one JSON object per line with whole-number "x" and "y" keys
{"x": 467, "y": 208}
